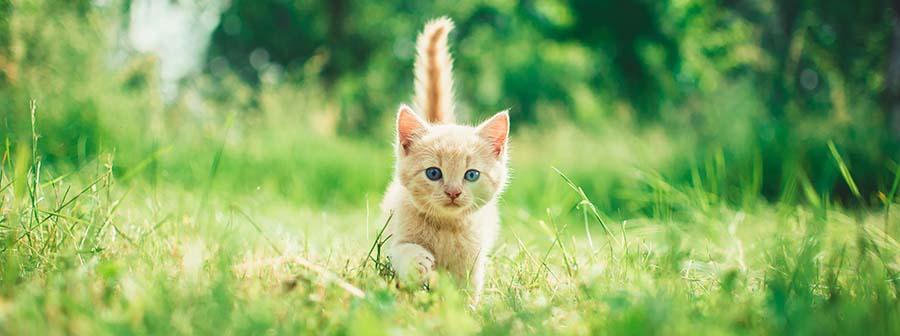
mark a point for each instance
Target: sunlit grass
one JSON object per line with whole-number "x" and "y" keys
{"x": 265, "y": 242}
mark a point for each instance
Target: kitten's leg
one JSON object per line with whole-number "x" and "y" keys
{"x": 412, "y": 262}
{"x": 477, "y": 279}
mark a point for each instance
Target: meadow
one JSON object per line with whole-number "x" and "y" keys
{"x": 253, "y": 209}
{"x": 232, "y": 247}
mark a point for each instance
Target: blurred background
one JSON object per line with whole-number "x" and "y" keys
{"x": 735, "y": 99}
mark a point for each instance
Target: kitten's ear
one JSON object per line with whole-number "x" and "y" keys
{"x": 409, "y": 125}
{"x": 496, "y": 131}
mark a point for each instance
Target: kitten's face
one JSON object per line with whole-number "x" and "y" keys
{"x": 451, "y": 170}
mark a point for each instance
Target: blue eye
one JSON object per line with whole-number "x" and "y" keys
{"x": 472, "y": 175}
{"x": 433, "y": 173}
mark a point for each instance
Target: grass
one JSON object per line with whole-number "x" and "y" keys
{"x": 276, "y": 233}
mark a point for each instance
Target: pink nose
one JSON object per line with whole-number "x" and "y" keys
{"x": 453, "y": 194}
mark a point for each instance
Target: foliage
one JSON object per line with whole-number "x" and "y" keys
{"x": 810, "y": 64}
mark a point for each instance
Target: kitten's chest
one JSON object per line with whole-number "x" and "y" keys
{"x": 455, "y": 250}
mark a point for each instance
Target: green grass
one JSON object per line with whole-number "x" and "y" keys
{"x": 271, "y": 231}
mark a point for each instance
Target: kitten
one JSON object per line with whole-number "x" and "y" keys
{"x": 447, "y": 177}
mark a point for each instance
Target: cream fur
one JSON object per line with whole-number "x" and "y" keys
{"x": 434, "y": 72}
{"x": 430, "y": 230}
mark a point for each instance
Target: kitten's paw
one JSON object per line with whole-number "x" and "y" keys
{"x": 424, "y": 263}
{"x": 412, "y": 263}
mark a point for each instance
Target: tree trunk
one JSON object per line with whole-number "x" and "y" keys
{"x": 892, "y": 78}
{"x": 7, "y": 65}
{"x": 337, "y": 16}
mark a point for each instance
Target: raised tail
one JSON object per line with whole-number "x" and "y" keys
{"x": 434, "y": 72}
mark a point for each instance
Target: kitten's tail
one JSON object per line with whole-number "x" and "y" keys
{"x": 434, "y": 72}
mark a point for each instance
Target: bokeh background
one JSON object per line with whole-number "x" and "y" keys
{"x": 736, "y": 98}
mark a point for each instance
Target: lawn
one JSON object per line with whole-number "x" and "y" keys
{"x": 236, "y": 244}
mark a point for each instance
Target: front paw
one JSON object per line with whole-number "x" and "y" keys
{"x": 424, "y": 264}
{"x": 413, "y": 264}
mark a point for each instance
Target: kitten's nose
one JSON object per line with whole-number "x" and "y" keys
{"x": 452, "y": 193}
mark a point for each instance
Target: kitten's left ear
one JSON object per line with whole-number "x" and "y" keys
{"x": 496, "y": 131}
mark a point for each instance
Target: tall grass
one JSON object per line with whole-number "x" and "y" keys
{"x": 86, "y": 253}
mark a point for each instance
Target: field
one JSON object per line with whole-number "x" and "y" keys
{"x": 93, "y": 251}
{"x": 715, "y": 182}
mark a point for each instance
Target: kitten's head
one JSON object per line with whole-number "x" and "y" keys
{"x": 450, "y": 169}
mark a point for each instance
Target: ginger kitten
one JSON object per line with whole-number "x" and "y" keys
{"x": 447, "y": 177}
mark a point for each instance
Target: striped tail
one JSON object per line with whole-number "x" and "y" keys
{"x": 434, "y": 72}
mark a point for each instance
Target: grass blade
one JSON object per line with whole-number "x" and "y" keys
{"x": 845, "y": 172}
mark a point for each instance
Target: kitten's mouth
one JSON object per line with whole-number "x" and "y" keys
{"x": 453, "y": 204}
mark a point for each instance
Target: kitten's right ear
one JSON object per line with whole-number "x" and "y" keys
{"x": 409, "y": 125}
